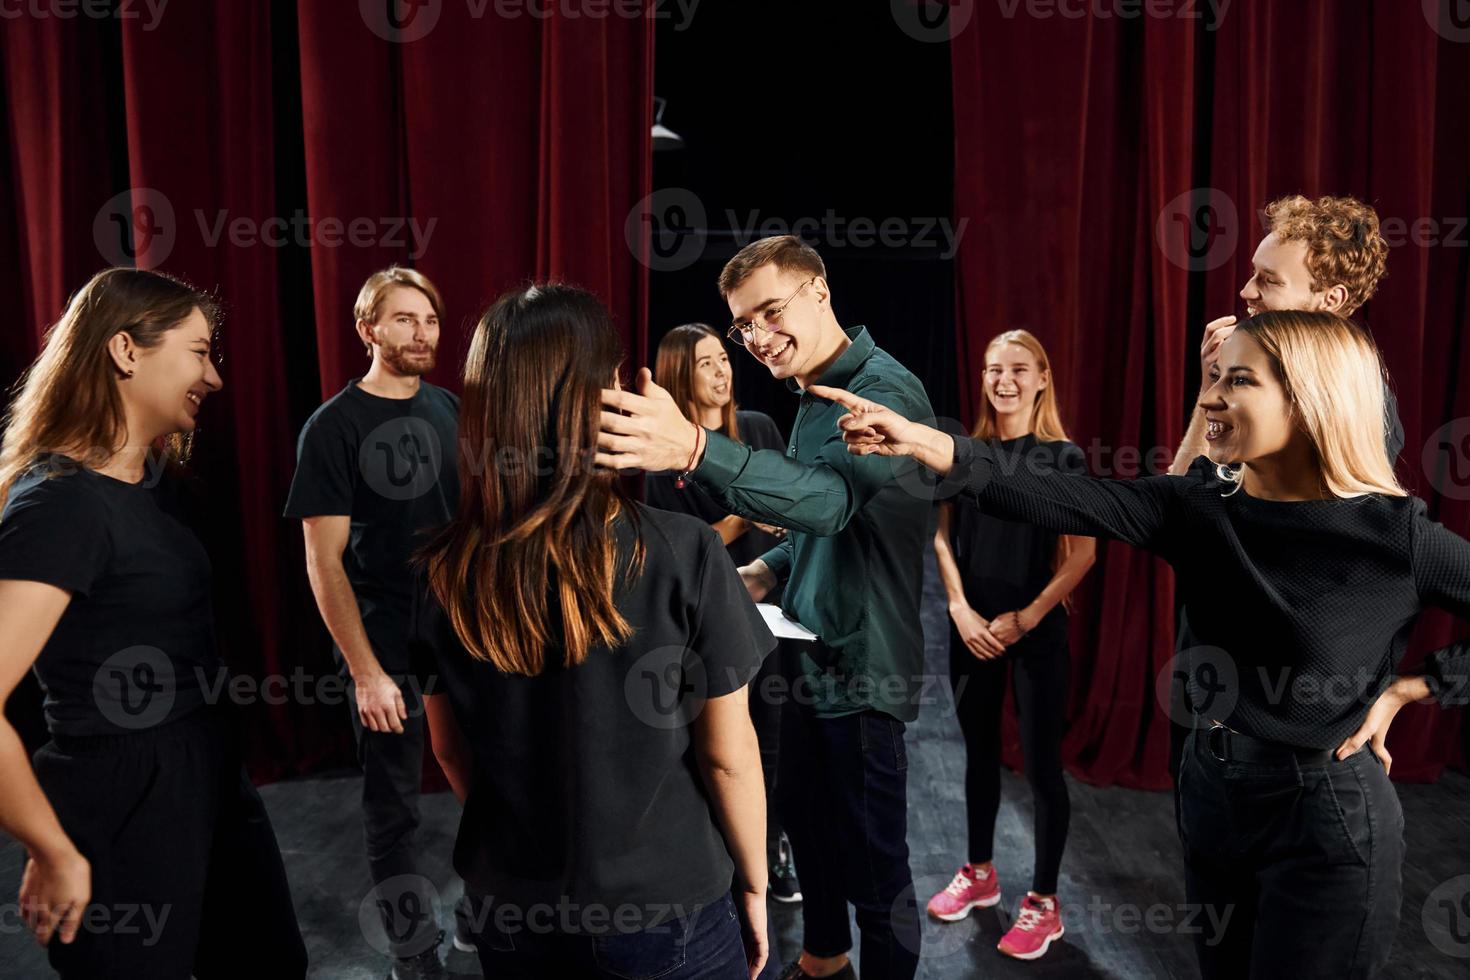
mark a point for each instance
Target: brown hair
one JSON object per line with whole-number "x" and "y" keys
{"x": 1344, "y": 245}
{"x": 674, "y": 372}
{"x": 370, "y": 297}
{"x": 68, "y": 399}
{"x": 786, "y": 252}
{"x": 529, "y": 559}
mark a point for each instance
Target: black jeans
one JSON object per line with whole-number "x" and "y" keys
{"x": 1038, "y": 668}
{"x": 392, "y": 779}
{"x": 768, "y": 694}
{"x": 706, "y": 946}
{"x": 843, "y": 796}
{"x": 187, "y": 878}
{"x": 1296, "y": 870}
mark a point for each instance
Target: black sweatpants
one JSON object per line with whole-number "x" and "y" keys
{"x": 186, "y": 874}
{"x": 1039, "y": 670}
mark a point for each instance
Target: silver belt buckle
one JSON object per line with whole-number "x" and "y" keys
{"x": 1219, "y": 734}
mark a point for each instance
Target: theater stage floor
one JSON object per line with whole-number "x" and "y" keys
{"x": 1120, "y": 886}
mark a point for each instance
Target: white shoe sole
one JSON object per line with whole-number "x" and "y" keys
{"x": 463, "y": 947}
{"x": 1041, "y": 950}
{"x": 984, "y": 903}
{"x": 791, "y": 899}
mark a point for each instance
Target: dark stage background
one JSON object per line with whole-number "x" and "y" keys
{"x": 1095, "y": 179}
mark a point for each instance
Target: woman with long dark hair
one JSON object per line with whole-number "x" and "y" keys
{"x": 1008, "y": 584}
{"x": 589, "y": 658}
{"x": 1303, "y": 566}
{"x": 693, "y": 366}
{"x": 148, "y": 849}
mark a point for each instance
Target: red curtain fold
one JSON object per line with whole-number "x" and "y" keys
{"x": 515, "y": 145}
{"x": 210, "y": 162}
{"x": 1085, "y": 151}
{"x": 59, "y": 161}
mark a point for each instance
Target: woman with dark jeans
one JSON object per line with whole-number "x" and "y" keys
{"x": 585, "y": 661}
{"x": 1303, "y": 566}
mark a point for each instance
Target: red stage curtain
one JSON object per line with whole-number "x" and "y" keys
{"x": 1075, "y": 139}
{"x": 519, "y": 145}
{"x": 515, "y": 146}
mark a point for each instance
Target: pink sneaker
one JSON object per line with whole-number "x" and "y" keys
{"x": 1038, "y": 922}
{"x": 972, "y": 888}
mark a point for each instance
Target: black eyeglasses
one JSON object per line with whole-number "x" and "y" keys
{"x": 744, "y": 332}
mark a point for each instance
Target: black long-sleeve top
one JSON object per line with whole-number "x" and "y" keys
{"x": 1309, "y": 603}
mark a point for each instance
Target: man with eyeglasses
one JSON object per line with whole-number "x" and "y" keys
{"x": 853, "y": 564}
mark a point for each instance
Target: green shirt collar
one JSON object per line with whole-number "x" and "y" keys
{"x": 848, "y": 363}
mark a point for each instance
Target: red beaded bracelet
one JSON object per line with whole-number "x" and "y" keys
{"x": 679, "y": 482}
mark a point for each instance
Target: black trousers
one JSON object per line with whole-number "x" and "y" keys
{"x": 843, "y": 795}
{"x": 1039, "y": 670}
{"x": 1295, "y": 871}
{"x": 769, "y": 690}
{"x": 186, "y": 874}
{"x": 392, "y": 782}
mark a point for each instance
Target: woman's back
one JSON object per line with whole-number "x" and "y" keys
{"x": 586, "y": 792}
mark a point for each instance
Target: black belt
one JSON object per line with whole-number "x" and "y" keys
{"x": 1227, "y": 745}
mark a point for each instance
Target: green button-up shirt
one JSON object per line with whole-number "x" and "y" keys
{"x": 853, "y": 562}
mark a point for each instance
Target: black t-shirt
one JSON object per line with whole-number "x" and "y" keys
{"x": 389, "y": 464}
{"x": 586, "y": 788}
{"x": 135, "y": 647}
{"x": 758, "y": 431}
{"x": 1004, "y": 564}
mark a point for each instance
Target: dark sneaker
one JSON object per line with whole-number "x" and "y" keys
{"x": 424, "y": 966}
{"x": 783, "y": 886}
